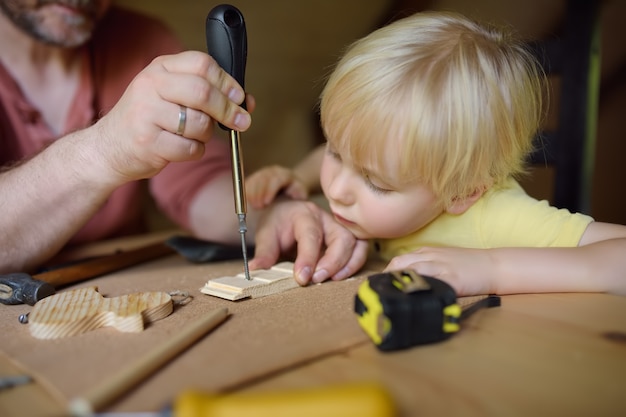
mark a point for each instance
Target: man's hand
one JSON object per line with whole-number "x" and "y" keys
{"x": 325, "y": 249}
{"x": 138, "y": 136}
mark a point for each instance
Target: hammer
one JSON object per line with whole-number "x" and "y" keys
{"x": 22, "y": 288}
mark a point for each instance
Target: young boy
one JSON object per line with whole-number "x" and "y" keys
{"x": 428, "y": 121}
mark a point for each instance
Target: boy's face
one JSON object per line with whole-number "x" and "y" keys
{"x": 369, "y": 207}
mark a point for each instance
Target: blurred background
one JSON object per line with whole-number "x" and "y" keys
{"x": 293, "y": 45}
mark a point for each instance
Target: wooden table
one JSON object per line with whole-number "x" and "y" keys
{"x": 547, "y": 354}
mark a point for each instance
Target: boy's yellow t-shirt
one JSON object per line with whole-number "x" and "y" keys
{"x": 503, "y": 217}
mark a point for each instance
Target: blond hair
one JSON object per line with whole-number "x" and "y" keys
{"x": 455, "y": 103}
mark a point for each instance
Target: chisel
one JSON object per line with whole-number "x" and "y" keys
{"x": 227, "y": 43}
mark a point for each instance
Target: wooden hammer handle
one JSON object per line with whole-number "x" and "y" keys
{"x": 103, "y": 265}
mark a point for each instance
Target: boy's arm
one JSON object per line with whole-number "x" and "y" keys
{"x": 597, "y": 231}
{"x": 596, "y": 265}
{"x": 308, "y": 170}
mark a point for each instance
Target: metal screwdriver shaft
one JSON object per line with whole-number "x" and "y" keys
{"x": 239, "y": 190}
{"x": 227, "y": 43}
{"x": 242, "y": 230}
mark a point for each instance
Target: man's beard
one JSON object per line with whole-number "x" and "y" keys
{"x": 68, "y": 31}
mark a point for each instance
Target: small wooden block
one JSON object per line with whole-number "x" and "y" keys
{"x": 263, "y": 282}
{"x": 266, "y": 275}
{"x": 284, "y": 267}
{"x": 78, "y": 311}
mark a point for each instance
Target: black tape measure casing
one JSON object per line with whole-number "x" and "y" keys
{"x": 401, "y": 309}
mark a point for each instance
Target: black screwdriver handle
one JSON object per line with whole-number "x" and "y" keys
{"x": 227, "y": 42}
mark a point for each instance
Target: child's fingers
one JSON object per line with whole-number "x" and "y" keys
{"x": 297, "y": 190}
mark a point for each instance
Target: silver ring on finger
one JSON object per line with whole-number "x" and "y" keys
{"x": 182, "y": 120}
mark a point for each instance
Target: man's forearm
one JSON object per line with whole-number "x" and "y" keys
{"x": 47, "y": 199}
{"x": 212, "y": 213}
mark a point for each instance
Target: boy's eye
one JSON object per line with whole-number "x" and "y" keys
{"x": 374, "y": 187}
{"x": 333, "y": 154}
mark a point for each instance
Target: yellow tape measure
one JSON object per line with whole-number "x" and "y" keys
{"x": 401, "y": 309}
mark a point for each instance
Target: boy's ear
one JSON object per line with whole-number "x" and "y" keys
{"x": 461, "y": 204}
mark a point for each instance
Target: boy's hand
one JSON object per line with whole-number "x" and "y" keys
{"x": 468, "y": 271}
{"x": 264, "y": 185}
{"x": 325, "y": 248}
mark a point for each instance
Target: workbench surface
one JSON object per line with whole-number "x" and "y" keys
{"x": 548, "y": 354}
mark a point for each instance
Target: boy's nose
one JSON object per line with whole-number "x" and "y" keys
{"x": 342, "y": 187}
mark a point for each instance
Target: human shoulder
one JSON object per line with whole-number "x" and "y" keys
{"x": 510, "y": 217}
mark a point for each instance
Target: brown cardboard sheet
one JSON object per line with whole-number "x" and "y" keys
{"x": 261, "y": 336}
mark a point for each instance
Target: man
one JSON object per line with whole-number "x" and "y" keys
{"x": 86, "y": 110}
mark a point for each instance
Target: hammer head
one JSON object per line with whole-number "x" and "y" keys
{"x": 21, "y": 288}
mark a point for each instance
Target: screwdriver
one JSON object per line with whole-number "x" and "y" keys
{"x": 363, "y": 399}
{"x": 227, "y": 43}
